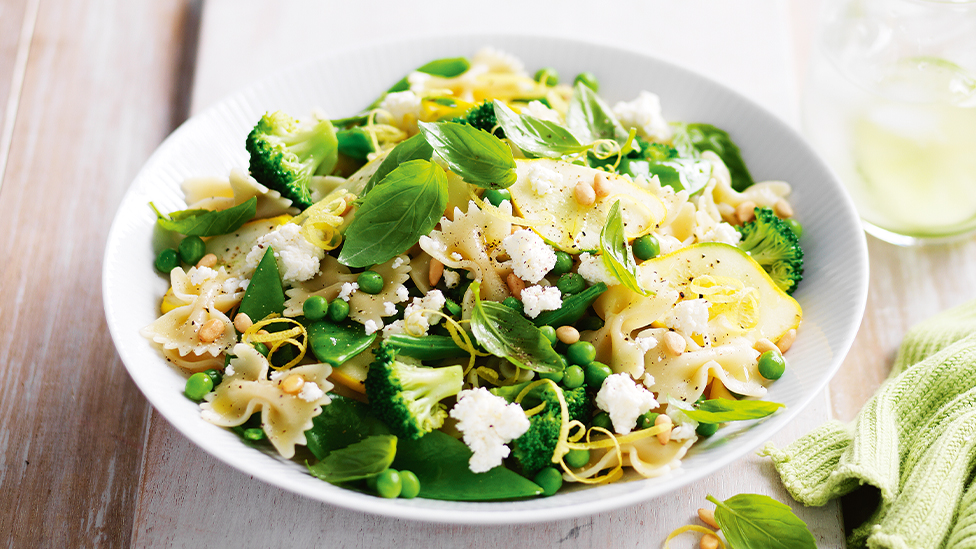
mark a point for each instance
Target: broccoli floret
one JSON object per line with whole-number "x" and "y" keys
{"x": 482, "y": 117}
{"x": 773, "y": 244}
{"x": 652, "y": 152}
{"x": 286, "y": 153}
{"x": 534, "y": 449}
{"x": 407, "y": 398}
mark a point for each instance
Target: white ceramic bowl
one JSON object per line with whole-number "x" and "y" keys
{"x": 832, "y": 293}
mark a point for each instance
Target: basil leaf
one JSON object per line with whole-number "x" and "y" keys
{"x": 690, "y": 174}
{"x": 617, "y": 255}
{"x": 753, "y": 521}
{"x": 337, "y": 343}
{"x": 720, "y": 410}
{"x": 478, "y": 157}
{"x": 590, "y": 119}
{"x": 705, "y": 137}
{"x": 448, "y": 67}
{"x": 414, "y": 148}
{"x": 507, "y": 334}
{"x": 366, "y": 458}
{"x": 343, "y": 422}
{"x": 394, "y": 215}
{"x": 208, "y": 222}
{"x": 535, "y": 136}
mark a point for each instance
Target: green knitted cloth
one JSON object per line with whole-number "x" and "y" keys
{"x": 914, "y": 440}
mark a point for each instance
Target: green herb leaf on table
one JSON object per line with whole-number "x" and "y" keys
{"x": 478, "y": 157}
{"x": 617, "y": 255}
{"x": 721, "y": 410}
{"x": 590, "y": 119}
{"x": 535, "y": 136}
{"x": 507, "y": 334}
{"x": 336, "y": 343}
{"x": 705, "y": 137}
{"x": 208, "y": 222}
{"x": 753, "y": 521}
{"x": 413, "y": 148}
{"x": 393, "y": 216}
{"x": 366, "y": 458}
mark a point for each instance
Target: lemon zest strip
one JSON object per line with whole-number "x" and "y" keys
{"x": 692, "y": 528}
{"x": 278, "y": 339}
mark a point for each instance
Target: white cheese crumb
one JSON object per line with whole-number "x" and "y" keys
{"x": 416, "y": 321}
{"x": 229, "y": 370}
{"x": 531, "y": 257}
{"x": 231, "y": 285}
{"x": 402, "y": 293}
{"x": 689, "y": 317}
{"x": 648, "y": 380}
{"x": 451, "y": 278}
{"x": 625, "y": 401}
{"x": 418, "y": 81}
{"x": 539, "y": 110}
{"x": 371, "y": 326}
{"x": 347, "y": 289}
{"x": 310, "y": 392}
{"x": 668, "y": 243}
{"x": 644, "y": 114}
{"x": 278, "y": 374}
{"x": 487, "y": 422}
{"x": 684, "y": 427}
{"x": 542, "y": 179}
{"x": 199, "y": 275}
{"x": 645, "y": 343}
{"x": 593, "y": 270}
{"x": 389, "y": 308}
{"x": 456, "y": 256}
{"x": 397, "y": 262}
{"x": 399, "y": 105}
{"x": 723, "y": 232}
{"x": 536, "y": 299}
{"x": 298, "y": 259}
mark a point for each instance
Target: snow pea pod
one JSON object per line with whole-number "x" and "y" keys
{"x": 573, "y": 307}
{"x": 264, "y": 294}
{"x": 337, "y": 343}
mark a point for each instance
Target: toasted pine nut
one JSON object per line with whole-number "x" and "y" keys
{"x": 601, "y": 185}
{"x": 436, "y": 270}
{"x": 708, "y": 541}
{"x": 664, "y": 436}
{"x": 708, "y": 517}
{"x": 674, "y": 343}
{"x": 764, "y": 345}
{"x": 584, "y": 193}
{"x": 208, "y": 260}
{"x": 292, "y": 384}
{"x": 745, "y": 212}
{"x": 515, "y": 285}
{"x": 262, "y": 332}
{"x": 242, "y": 322}
{"x": 211, "y": 330}
{"x": 783, "y": 209}
{"x": 567, "y": 334}
{"x": 786, "y": 341}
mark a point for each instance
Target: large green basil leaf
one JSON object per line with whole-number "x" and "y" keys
{"x": 507, "y": 334}
{"x": 535, "y": 136}
{"x": 705, "y": 137}
{"x": 394, "y": 215}
{"x": 366, "y": 458}
{"x": 753, "y": 521}
{"x": 690, "y": 174}
{"x": 343, "y": 421}
{"x": 265, "y": 294}
{"x": 208, "y": 222}
{"x": 590, "y": 119}
{"x": 721, "y": 410}
{"x": 336, "y": 343}
{"x": 480, "y": 158}
{"x": 618, "y": 258}
{"x": 448, "y": 67}
{"x": 441, "y": 464}
{"x": 414, "y": 148}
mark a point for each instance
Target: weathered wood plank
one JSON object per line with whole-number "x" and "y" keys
{"x": 17, "y": 19}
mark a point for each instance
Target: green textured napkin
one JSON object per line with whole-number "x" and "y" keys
{"x": 914, "y": 440}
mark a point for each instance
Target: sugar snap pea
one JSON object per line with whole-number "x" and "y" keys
{"x": 573, "y": 307}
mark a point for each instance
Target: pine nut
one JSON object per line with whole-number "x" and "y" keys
{"x": 708, "y": 541}
{"x": 292, "y": 384}
{"x": 674, "y": 344}
{"x": 208, "y": 260}
{"x": 567, "y": 334}
{"x": 242, "y": 322}
{"x": 708, "y": 517}
{"x": 515, "y": 285}
{"x": 786, "y": 341}
{"x": 436, "y": 270}
{"x": 745, "y": 212}
{"x": 664, "y": 436}
{"x": 601, "y": 185}
{"x": 211, "y": 330}
{"x": 262, "y": 332}
{"x": 764, "y": 345}
{"x": 783, "y": 209}
{"x": 584, "y": 193}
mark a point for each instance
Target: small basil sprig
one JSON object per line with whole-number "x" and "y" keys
{"x": 590, "y": 119}
{"x": 705, "y": 137}
{"x": 207, "y": 222}
{"x": 720, "y": 410}
{"x": 478, "y": 157}
{"x": 414, "y": 148}
{"x": 754, "y": 521}
{"x": 535, "y": 136}
{"x": 618, "y": 258}
{"x": 366, "y": 458}
{"x": 394, "y": 215}
{"x": 507, "y": 334}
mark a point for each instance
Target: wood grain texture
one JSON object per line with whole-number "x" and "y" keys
{"x": 97, "y": 99}
{"x": 17, "y": 21}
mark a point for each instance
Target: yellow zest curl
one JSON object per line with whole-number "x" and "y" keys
{"x": 278, "y": 339}
{"x": 320, "y": 222}
{"x": 692, "y": 528}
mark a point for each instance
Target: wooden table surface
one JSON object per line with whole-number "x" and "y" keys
{"x": 87, "y": 90}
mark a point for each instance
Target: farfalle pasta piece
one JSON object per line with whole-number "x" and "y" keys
{"x": 364, "y": 307}
{"x": 285, "y": 415}
{"x": 686, "y": 376}
{"x": 186, "y": 287}
{"x": 231, "y": 249}
{"x": 327, "y": 284}
{"x": 211, "y": 193}
{"x": 178, "y": 329}
{"x": 647, "y": 456}
{"x": 191, "y": 362}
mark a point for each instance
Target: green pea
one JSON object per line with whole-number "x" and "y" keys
{"x": 261, "y": 348}
{"x": 772, "y": 365}
{"x": 388, "y": 484}
{"x": 573, "y": 377}
{"x": 646, "y": 420}
{"x": 495, "y": 197}
{"x": 370, "y": 282}
{"x": 192, "y": 249}
{"x": 338, "y": 310}
{"x": 590, "y": 323}
{"x": 315, "y": 307}
{"x": 214, "y": 376}
{"x": 646, "y": 247}
{"x": 577, "y": 458}
{"x": 603, "y": 421}
{"x": 513, "y": 304}
{"x": 547, "y": 76}
{"x": 595, "y": 374}
{"x": 706, "y": 429}
{"x": 588, "y": 79}
{"x": 452, "y": 306}
{"x": 581, "y": 353}
{"x": 564, "y": 262}
{"x": 197, "y": 386}
{"x": 254, "y": 433}
{"x": 554, "y": 376}
{"x": 550, "y": 480}
{"x": 549, "y": 332}
{"x": 167, "y": 260}
{"x": 570, "y": 283}
{"x": 795, "y": 226}
{"x": 410, "y": 483}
